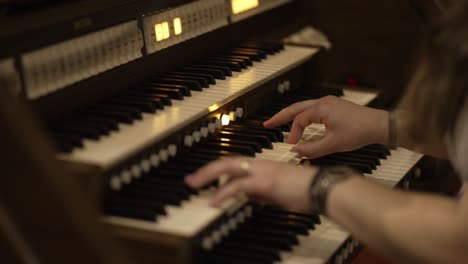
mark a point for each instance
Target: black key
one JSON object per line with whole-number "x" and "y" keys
{"x": 233, "y": 66}
{"x": 208, "y": 78}
{"x": 202, "y": 81}
{"x": 132, "y": 111}
{"x": 157, "y": 207}
{"x": 146, "y": 107}
{"x": 262, "y": 140}
{"x": 254, "y": 145}
{"x": 150, "y": 195}
{"x": 164, "y": 98}
{"x": 251, "y": 55}
{"x": 131, "y": 212}
{"x": 83, "y": 132}
{"x": 267, "y": 49}
{"x": 244, "y": 150}
{"x": 112, "y": 115}
{"x": 272, "y": 209}
{"x": 262, "y": 54}
{"x": 217, "y": 74}
{"x": 245, "y": 131}
{"x": 184, "y": 89}
{"x": 109, "y": 124}
{"x": 191, "y": 84}
{"x": 166, "y": 190}
{"x": 154, "y": 101}
{"x": 245, "y": 256}
{"x": 294, "y": 227}
{"x": 245, "y": 61}
{"x": 172, "y": 93}
{"x": 225, "y": 70}
{"x": 219, "y": 153}
{"x": 367, "y": 158}
{"x": 70, "y": 139}
{"x": 275, "y": 131}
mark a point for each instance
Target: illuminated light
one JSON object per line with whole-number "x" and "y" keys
{"x": 225, "y": 120}
{"x": 177, "y": 26}
{"x": 232, "y": 116}
{"x": 158, "y": 32}
{"x": 213, "y": 107}
{"x": 240, "y": 6}
{"x": 161, "y": 31}
{"x": 166, "y": 32}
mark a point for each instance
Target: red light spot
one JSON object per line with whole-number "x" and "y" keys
{"x": 351, "y": 81}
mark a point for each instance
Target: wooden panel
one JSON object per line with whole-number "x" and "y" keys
{"x": 44, "y": 216}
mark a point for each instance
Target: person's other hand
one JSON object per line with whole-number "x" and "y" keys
{"x": 264, "y": 181}
{"x": 348, "y": 125}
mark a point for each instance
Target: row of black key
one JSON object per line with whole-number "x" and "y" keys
{"x": 263, "y": 237}
{"x": 104, "y": 117}
{"x": 146, "y": 197}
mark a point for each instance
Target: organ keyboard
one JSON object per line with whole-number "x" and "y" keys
{"x": 119, "y": 96}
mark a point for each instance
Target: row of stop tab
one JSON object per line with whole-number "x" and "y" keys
{"x": 125, "y": 175}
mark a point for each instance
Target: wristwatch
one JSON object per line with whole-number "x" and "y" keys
{"x": 325, "y": 179}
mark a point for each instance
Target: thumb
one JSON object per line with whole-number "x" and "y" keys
{"x": 315, "y": 149}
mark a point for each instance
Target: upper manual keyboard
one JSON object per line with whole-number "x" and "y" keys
{"x": 118, "y": 127}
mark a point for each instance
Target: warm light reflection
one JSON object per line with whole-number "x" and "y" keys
{"x": 177, "y": 26}
{"x": 213, "y": 107}
{"x": 225, "y": 120}
{"x": 239, "y": 6}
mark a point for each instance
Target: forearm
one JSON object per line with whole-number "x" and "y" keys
{"x": 381, "y": 131}
{"x": 415, "y": 228}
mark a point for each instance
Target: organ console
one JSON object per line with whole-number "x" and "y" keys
{"x": 146, "y": 92}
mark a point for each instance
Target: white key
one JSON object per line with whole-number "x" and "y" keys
{"x": 130, "y": 139}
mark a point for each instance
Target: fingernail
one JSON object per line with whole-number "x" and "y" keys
{"x": 293, "y": 149}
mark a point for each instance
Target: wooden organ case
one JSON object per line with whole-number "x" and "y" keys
{"x": 144, "y": 92}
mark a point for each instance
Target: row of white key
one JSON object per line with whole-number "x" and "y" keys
{"x": 130, "y": 139}
{"x": 195, "y": 214}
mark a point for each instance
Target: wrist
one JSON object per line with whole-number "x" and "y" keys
{"x": 380, "y": 123}
{"x": 325, "y": 180}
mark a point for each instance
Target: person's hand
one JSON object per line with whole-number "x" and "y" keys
{"x": 348, "y": 125}
{"x": 262, "y": 181}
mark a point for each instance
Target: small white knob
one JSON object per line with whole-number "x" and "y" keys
{"x": 287, "y": 85}
{"x": 172, "y": 148}
{"x": 188, "y": 141}
{"x": 248, "y": 211}
{"x": 211, "y": 127}
{"x": 216, "y": 236}
{"x": 204, "y": 131}
{"x": 218, "y": 123}
{"x": 115, "y": 183}
{"x": 224, "y": 229}
{"x": 239, "y": 112}
{"x": 154, "y": 159}
{"x": 196, "y": 136}
{"x": 164, "y": 155}
{"x": 207, "y": 243}
{"x": 240, "y": 217}
{"x": 232, "y": 224}
{"x": 145, "y": 165}
{"x": 136, "y": 171}
{"x": 281, "y": 88}
{"x": 126, "y": 177}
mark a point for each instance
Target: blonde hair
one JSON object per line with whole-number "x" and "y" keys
{"x": 438, "y": 88}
